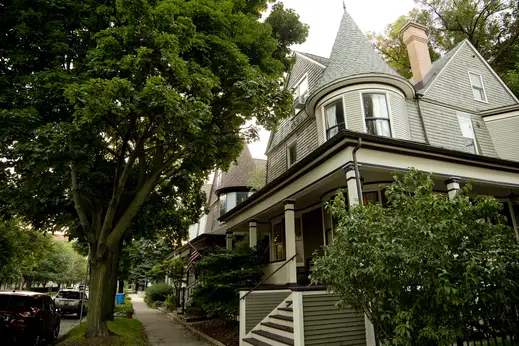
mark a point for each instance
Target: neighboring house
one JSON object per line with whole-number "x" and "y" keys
{"x": 355, "y": 122}
{"x": 228, "y": 190}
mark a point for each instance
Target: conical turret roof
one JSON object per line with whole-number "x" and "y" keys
{"x": 352, "y": 54}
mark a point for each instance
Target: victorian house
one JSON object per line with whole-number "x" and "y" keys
{"x": 355, "y": 122}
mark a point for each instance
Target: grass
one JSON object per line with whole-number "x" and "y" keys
{"x": 128, "y": 332}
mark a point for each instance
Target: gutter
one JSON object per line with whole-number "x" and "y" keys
{"x": 418, "y": 96}
{"x": 356, "y": 167}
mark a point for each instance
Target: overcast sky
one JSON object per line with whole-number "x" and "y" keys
{"x": 324, "y": 17}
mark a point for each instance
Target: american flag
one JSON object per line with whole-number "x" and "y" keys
{"x": 194, "y": 256}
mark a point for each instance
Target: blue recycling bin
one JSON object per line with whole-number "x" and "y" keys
{"x": 119, "y": 298}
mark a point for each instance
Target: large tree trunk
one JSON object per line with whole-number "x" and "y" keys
{"x": 98, "y": 303}
{"x": 112, "y": 286}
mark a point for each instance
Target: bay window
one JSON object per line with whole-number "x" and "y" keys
{"x": 334, "y": 116}
{"x": 376, "y": 114}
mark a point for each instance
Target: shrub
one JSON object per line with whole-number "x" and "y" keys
{"x": 157, "y": 293}
{"x": 171, "y": 302}
{"x": 426, "y": 269}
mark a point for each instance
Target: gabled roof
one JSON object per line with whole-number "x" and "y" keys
{"x": 321, "y": 60}
{"x": 352, "y": 54}
{"x": 436, "y": 68}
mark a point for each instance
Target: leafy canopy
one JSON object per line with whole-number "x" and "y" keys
{"x": 425, "y": 269}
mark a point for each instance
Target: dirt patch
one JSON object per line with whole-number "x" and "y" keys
{"x": 227, "y": 332}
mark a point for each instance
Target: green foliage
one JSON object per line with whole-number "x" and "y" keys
{"x": 222, "y": 273}
{"x": 426, "y": 269}
{"x": 257, "y": 178}
{"x": 491, "y": 26}
{"x": 123, "y": 309}
{"x": 172, "y": 268}
{"x": 157, "y": 293}
{"x": 170, "y": 303}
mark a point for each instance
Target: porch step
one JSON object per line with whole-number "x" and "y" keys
{"x": 267, "y": 336}
{"x": 288, "y": 303}
{"x": 286, "y": 309}
{"x": 255, "y": 342}
{"x": 284, "y": 318}
{"x": 278, "y": 326}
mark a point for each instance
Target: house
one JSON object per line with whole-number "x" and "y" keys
{"x": 355, "y": 122}
{"x": 227, "y": 190}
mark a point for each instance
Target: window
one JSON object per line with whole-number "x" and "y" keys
{"x": 376, "y": 114}
{"x": 467, "y": 131}
{"x": 334, "y": 116}
{"x": 241, "y": 197}
{"x": 478, "y": 89}
{"x": 369, "y": 198}
{"x": 218, "y": 178}
{"x": 278, "y": 236}
{"x": 302, "y": 88}
{"x": 223, "y": 204}
{"x": 292, "y": 153}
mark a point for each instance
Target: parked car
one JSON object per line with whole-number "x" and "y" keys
{"x": 27, "y": 318}
{"x": 69, "y": 301}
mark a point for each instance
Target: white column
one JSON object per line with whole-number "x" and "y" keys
{"x": 228, "y": 240}
{"x": 351, "y": 182}
{"x": 243, "y": 310}
{"x": 453, "y": 186}
{"x": 290, "y": 242}
{"x": 299, "y": 326}
{"x": 370, "y": 331}
{"x": 253, "y": 233}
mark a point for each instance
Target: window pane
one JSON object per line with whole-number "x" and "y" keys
{"x": 241, "y": 197}
{"x": 334, "y": 118}
{"x": 479, "y": 94}
{"x": 475, "y": 80}
{"x": 466, "y": 127}
{"x": 223, "y": 204}
{"x": 375, "y": 106}
{"x": 378, "y": 127}
{"x": 292, "y": 154}
{"x": 303, "y": 87}
{"x": 330, "y": 115}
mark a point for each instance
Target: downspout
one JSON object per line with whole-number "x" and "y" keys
{"x": 418, "y": 96}
{"x": 356, "y": 167}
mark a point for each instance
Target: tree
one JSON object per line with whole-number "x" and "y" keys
{"x": 425, "y": 269}
{"x": 491, "y": 26}
{"x": 257, "y": 178}
{"x": 107, "y": 104}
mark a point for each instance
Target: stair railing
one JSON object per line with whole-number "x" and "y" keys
{"x": 268, "y": 277}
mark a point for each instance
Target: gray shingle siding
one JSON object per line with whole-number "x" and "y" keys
{"x": 442, "y": 126}
{"x": 276, "y": 163}
{"x": 485, "y": 144}
{"x": 353, "y": 111}
{"x": 505, "y": 136}
{"x": 415, "y": 123}
{"x": 259, "y": 305}
{"x": 453, "y": 86}
{"x": 325, "y": 324}
{"x": 306, "y": 139}
{"x": 399, "y": 116}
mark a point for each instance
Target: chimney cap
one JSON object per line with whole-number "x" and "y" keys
{"x": 413, "y": 24}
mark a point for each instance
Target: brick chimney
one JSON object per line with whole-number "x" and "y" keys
{"x": 416, "y": 40}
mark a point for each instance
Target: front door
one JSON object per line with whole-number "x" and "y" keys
{"x": 313, "y": 241}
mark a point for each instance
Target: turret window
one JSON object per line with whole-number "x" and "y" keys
{"x": 334, "y": 114}
{"x": 376, "y": 114}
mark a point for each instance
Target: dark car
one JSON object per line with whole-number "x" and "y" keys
{"x": 27, "y": 318}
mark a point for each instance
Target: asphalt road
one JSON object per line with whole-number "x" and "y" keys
{"x": 67, "y": 323}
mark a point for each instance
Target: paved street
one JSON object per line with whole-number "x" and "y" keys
{"x": 67, "y": 323}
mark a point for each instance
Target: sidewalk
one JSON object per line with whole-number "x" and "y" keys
{"x": 160, "y": 330}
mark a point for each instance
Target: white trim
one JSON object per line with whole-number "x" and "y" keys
{"x": 492, "y": 70}
{"x": 310, "y": 59}
{"x": 323, "y": 106}
{"x": 242, "y": 316}
{"x": 482, "y": 84}
{"x": 431, "y": 83}
{"x": 468, "y": 116}
{"x": 514, "y": 220}
{"x": 298, "y": 315}
{"x": 500, "y": 116}
{"x": 296, "y": 85}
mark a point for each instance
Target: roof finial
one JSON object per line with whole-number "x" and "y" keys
{"x": 344, "y": 5}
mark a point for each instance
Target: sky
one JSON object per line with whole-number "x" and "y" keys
{"x": 324, "y": 17}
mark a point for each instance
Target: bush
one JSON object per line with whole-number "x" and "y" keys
{"x": 171, "y": 302}
{"x": 157, "y": 293}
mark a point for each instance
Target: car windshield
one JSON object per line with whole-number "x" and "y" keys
{"x": 68, "y": 294}
{"x": 8, "y": 301}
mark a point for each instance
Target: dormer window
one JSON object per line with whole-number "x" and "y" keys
{"x": 478, "y": 89}
{"x": 334, "y": 115}
{"x": 467, "y": 131}
{"x": 376, "y": 114}
{"x": 301, "y": 93}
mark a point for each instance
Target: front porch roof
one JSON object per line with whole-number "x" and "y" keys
{"x": 371, "y": 145}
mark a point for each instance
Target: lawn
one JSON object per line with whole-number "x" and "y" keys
{"x": 128, "y": 331}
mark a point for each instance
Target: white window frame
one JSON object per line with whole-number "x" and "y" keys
{"x": 296, "y": 87}
{"x": 466, "y": 116}
{"x": 289, "y": 145}
{"x": 323, "y": 111}
{"x": 482, "y": 84}
{"x": 276, "y": 221}
{"x": 389, "y": 109}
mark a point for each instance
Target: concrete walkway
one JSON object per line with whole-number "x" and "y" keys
{"x": 160, "y": 330}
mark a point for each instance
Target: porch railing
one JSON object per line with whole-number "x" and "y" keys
{"x": 269, "y": 276}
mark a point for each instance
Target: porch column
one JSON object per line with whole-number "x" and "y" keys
{"x": 290, "y": 242}
{"x": 228, "y": 240}
{"x": 253, "y": 233}
{"x": 351, "y": 182}
{"x": 453, "y": 186}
